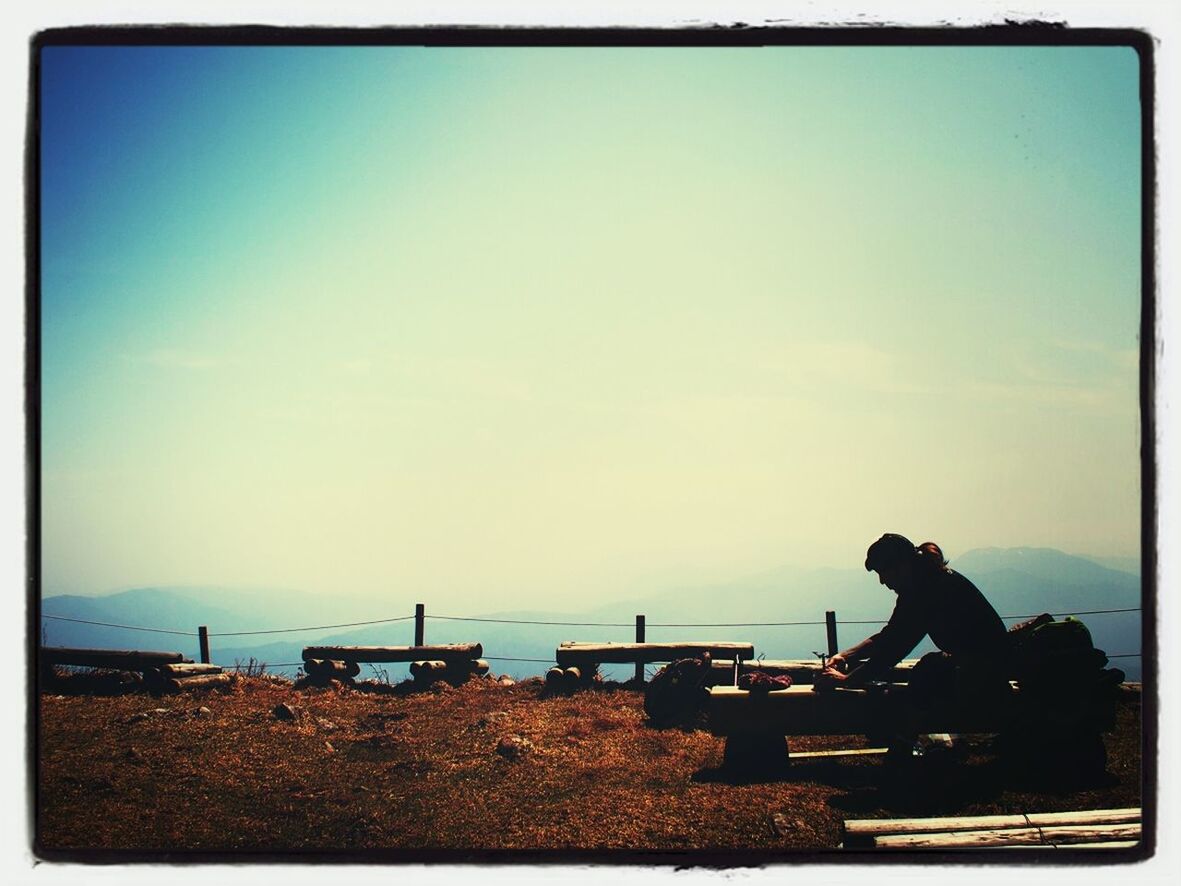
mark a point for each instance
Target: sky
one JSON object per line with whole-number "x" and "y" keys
{"x": 505, "y": 327}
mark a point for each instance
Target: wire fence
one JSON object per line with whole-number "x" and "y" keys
{"x": 420, "y": 617}
{"x": 579, "y": 624}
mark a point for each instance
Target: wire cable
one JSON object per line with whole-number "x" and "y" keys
{"x": 351, "y": 624}
{"x": 512, "y": 621}
{"x": 107, "y": 624}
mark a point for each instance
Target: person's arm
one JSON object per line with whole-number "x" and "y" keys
{"x": 864, "y": 649}
{"x": 887, "y": 647}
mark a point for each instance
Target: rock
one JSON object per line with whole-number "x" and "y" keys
{"x": 285, "y": 711}
{"x": 136, "y": 718}
{"x": 326, "y": 725}
{"x": 514, "y": 747}
{"x": 204, "y": 713}
{"x": 161, "y": 711}
{"x": 506, "y": 680}
{"x": 490, "y": 719}
{"x": 328, "y": 746}
{"x": 134, "y": 756}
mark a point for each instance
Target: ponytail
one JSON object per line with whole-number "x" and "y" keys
{"x": 930, "y": 556}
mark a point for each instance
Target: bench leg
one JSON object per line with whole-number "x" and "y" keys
{"x": 756, "y": 754}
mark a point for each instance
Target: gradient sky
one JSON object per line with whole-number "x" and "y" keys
{"x": 507, "y": 327}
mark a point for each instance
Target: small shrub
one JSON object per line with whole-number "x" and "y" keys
{"x": 252, "y": 667}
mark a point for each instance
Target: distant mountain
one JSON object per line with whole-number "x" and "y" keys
{"x": 183, "y": 609}
{"x": 1123, "y": 564}
{"x": 1018, "y": 582}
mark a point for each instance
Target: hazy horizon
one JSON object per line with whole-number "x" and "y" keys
{"x": 504, "y": 326}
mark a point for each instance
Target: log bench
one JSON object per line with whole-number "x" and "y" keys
{"x": 454, "y": 662}
{"x": 159, "y": 671}
{"x": 756, "y": 724}
{"x": 578, "y": 660}
{"x": 1046, "y": 743}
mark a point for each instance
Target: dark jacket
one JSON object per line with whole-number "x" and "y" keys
{"x": 952, "y": 611}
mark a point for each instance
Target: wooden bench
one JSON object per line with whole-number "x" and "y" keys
{"x": 756, "y": 724}
{"x": 577, "y": 659}
{"x": 454, "y": 662}
{"x": 1044, "y": 739}
{"x": 159, "y": 671}
{"x": 1087, "y": 829}
{"x": 801, "y": 710}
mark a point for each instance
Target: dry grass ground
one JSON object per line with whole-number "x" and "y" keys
{"x": 420, "y": 772}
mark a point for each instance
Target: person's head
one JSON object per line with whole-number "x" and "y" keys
{"x": 892, "y": 557}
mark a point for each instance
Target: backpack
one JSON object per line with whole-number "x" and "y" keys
{"x": 1050, "y": 654}
{"x": 1061, "y": 675}
{"x": 677, "y": 694}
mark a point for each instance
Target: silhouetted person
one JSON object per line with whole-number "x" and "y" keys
{"x": 932, "y": 601}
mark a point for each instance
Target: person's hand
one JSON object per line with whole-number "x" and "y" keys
{"x": 838, "y": 662}
{"x": 829, "y": 678}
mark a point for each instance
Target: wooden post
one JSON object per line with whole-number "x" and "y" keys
{"x": 640, "y": 639}
{"x": 203, "y": 639}
{"x": 419, "y": 619}
{"x": 830, "y": 623}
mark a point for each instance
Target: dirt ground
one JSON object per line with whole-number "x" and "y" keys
{"x": 463, "y": 772}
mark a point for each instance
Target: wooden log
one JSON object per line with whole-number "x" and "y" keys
{"x": 580, "y": 653}
{"x": 1063, "y": 835}
{"x": 572, "y": 677}
{"x": 327, "y": 667}
{"x": 188, "y": 670}
{"x": 447, "y": 652}
{"x": 1127, "y": 815}
{"x": 1103, "y": 844}
{"x": 115, "y": 659}
{"x": 201, "y": 681}
{"x": 873, "y": 827}
{"x": 1090, "y": 833}
{"x": 422, "y": 670}
{"x": 448, "y": 669}
{"x": 555, "y": 677}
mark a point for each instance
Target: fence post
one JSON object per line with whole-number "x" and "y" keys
{"x": 830, "y": 623}
{"x": 640, "y": 639}
{"x": 419, "y": 619}
{"x": 203, "y": 639}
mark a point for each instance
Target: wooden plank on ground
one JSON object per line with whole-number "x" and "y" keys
{"x": 1126, "y": 815}
{"x": 1104, "y": 844}
{"x": 872, "y": 827}
{"x": 446, "y": 651}
{"x": 1058, "y": 836}
{"x": 582, "y": 653}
